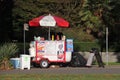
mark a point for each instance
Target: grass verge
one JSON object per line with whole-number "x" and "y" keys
{"x": 60, "y": 77}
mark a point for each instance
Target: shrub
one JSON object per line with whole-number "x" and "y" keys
{"x": 7, "y": 50}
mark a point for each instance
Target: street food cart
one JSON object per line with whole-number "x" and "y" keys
{"x": 44, "y": 52}
{"x": 48, "y": 51}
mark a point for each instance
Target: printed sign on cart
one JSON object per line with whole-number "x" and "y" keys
{"x": 53, "y": 50}
{"x": 69, "y": 45}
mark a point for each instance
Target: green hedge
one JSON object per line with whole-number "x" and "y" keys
{"x": 85, "y": 46}
{"x": 78, "y": 46}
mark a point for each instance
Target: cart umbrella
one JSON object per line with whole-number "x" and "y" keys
{"x": 48, "y": 21}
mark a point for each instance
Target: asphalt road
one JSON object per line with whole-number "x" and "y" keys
{"x": 65, "y": 70}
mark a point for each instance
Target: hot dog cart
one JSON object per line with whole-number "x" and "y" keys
{"x": 46, "y": 52}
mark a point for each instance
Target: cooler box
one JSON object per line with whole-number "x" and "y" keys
{"x": 25, "y": 61}
{"x": 15, "y": 62}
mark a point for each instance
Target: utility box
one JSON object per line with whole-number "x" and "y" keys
{"x": 24, "y": 62}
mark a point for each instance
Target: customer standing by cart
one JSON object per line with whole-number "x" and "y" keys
{"x": 98, "y": 57}
{"x": 95, "y": 52}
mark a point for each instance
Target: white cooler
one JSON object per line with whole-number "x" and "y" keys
{"x": 24, "y": 61}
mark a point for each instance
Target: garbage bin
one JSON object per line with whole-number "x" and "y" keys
{"x": 15, "y": 62}
{"x": 25, "y": 61}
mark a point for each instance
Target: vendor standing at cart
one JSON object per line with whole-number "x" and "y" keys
{"x": 59, "y": 36}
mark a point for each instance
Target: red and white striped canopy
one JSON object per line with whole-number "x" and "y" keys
{"x": 48, "y": 21}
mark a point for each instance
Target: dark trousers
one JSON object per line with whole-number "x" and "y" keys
{"x": 99, "y": 59}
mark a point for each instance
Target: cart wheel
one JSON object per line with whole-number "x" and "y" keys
{"x": 44, "y": 64}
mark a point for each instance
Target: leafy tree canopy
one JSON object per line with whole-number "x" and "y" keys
{"x": 89, "y": 14}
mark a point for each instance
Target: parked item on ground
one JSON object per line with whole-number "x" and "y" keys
{"x": 24, "y": 61}
{"x": 90, "y": 59}
{"x": 15, "y": 62}
{"x": 47, "y": 52}
{"x": 77, "y": 60}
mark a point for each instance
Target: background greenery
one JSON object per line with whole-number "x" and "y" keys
{"x": 78, "y": 46}
{"x": 7, "y": 50}
{"x": 88, "y": 20}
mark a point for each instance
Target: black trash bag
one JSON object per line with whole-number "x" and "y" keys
{"x": 78, "y": 60}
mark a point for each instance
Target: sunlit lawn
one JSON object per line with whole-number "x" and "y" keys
{"x": 60, "y": 77}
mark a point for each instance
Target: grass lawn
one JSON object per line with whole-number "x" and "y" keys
{"x": 114, "y": 63}
{"x": 60, "y": 77}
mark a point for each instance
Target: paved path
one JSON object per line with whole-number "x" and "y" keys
{"x": 66, "y": 70}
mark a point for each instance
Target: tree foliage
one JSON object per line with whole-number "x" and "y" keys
{"x": 88, "y": 18}
{"x": 23, "y": 12}
{"x": 89, "y": 14}
{"x": 5, "y": 19}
